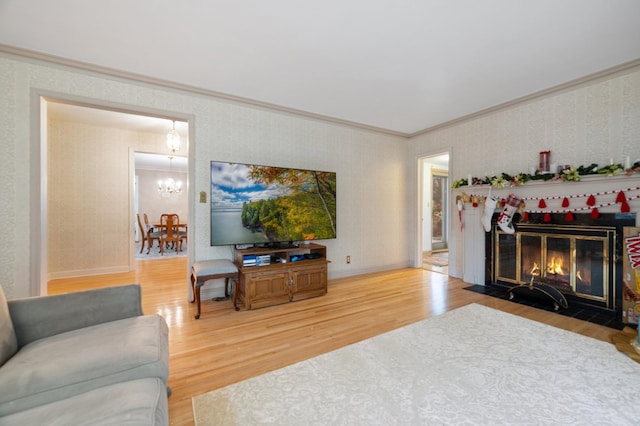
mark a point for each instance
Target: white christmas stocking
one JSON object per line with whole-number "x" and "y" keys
{"x": 489, "y": 207}
{"x": 504, "y": 220}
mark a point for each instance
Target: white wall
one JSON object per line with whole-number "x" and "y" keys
{"x": 154, "y": 204}
{"x": 371, "y": 167}
{"x": 589, "y": 123}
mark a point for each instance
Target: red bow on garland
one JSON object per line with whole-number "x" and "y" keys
{"x": 624, "y": 205}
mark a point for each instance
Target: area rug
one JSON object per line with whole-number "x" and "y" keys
{"x": 154, "y": 253}
{"x": 473, "y": 365}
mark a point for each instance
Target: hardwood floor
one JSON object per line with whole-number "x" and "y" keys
{"x": 225, "y": 346}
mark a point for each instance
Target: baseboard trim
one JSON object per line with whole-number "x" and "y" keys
{"x": 86, "y": 272}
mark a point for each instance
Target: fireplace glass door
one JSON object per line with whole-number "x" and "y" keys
{"x": 507, "y": 257}
{"x": 574, "y": 264}
{"x": 530, "y": 257}
{"x": 591, "y": 268}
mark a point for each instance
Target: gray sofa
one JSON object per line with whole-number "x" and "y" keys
{"x": 88, "y": 357}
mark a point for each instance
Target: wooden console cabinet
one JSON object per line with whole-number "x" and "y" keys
{"x": 289, "y": 276}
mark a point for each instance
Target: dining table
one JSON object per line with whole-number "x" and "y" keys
{"x": 158, "y": 225}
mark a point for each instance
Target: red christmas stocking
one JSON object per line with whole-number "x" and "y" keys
{"x": 505, "y": 218}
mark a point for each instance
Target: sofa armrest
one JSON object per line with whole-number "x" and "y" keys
{"x": 43, "y": 316}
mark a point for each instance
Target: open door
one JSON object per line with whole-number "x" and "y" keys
{"x": 434, "y": 212}
{"x": 439, "y": 213}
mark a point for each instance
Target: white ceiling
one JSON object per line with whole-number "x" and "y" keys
{"x": 400, "y": 65}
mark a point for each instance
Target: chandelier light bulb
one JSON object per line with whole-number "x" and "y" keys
{"x": 173, "y": 139}
{"x": 169, "y": 187}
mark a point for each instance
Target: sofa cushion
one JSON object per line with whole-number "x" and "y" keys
{"x": 8, "y": 342}
{"x": 43, "y": 316}
{"x": 138, "y": 402}
{"x": 70, "y": 363}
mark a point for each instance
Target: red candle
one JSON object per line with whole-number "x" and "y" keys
{"x": 545, "y": 161}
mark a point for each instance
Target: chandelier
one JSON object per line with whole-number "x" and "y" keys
{"x": 169, "y": 186}
{"x": 173, "y": 139}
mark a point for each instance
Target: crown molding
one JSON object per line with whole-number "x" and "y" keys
{"x": 112, "y": 72}
{"x": 554, "y": 90}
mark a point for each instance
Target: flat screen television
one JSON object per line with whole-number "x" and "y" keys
{"x": 270, "y": 206}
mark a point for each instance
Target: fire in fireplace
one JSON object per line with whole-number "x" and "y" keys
{"x": 569, "y": 262}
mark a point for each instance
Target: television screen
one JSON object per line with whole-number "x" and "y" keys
{"x": 252, "y": 204}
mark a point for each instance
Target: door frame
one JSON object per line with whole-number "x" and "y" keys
{"x": 420, "y": 195}
{"x": 445, "y": 231}
{"x": 39, "y": 159}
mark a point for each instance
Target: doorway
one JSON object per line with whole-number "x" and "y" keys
{"x": 160, "y": 187}
{"x": 439, "y": 216}
{"x": 435, "y": 212}
{"x": 88, "y": 226}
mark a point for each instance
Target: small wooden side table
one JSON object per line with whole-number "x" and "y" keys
{"x": 206, "y": 270}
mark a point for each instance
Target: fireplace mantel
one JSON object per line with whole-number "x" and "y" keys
{"x": 590, "y": 184}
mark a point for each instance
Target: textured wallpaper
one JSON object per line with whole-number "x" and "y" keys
{"x": 16, "y": 228}
{"x": 371, "y": 167}
{"x": 377, "y": 173}
{"x": 594, "y": 122}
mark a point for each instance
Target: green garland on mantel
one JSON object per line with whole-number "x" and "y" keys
{"x": 572, "y": 174}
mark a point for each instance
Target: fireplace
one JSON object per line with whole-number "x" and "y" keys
{"x": 581, "y": 259}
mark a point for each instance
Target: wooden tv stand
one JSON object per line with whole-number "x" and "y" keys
{"x": 285, "y": 279}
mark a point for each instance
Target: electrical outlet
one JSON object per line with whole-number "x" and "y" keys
{"x": 203, "y": 197}
{"x": 348, "y": 259}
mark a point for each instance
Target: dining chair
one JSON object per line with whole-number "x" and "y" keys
{"x": 143, "y": 234}
{"x": 147, "y": 234}
{"x": 154, "y": 233}
{"x": 182, "y": 233}
{"x": 169, "y": 232}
